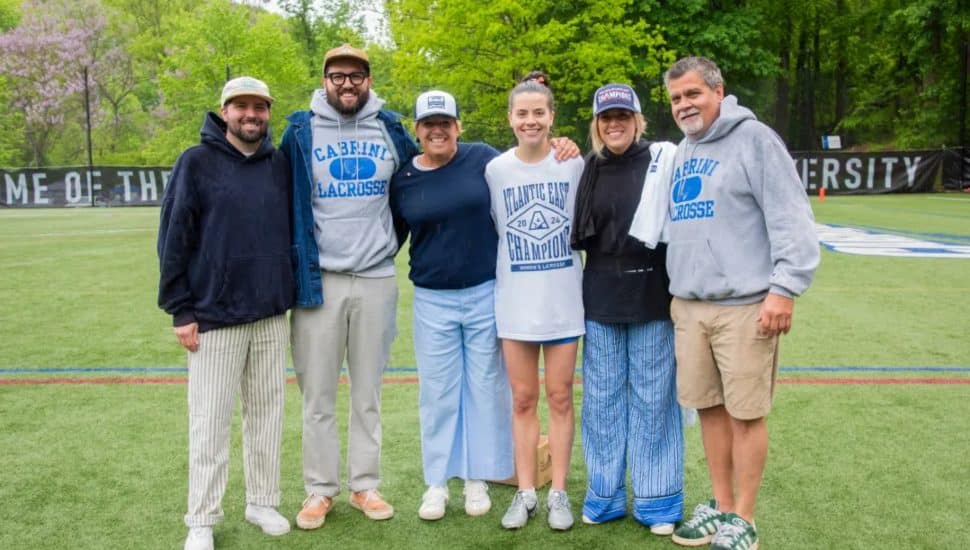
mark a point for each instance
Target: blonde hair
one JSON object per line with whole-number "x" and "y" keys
{"x": 594, "y": 132}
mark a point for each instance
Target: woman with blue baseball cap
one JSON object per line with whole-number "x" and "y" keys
{"x": 441, "y": 199}
{"x": 630, "y": 416}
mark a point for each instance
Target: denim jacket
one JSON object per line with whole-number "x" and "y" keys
{"x": 297, "y": 145}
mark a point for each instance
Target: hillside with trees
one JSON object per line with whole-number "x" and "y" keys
{"x": 881, "y": 73}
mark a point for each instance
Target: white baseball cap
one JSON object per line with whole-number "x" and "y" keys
{"x": 435, "y": 102}
{"x": 245, "y": 85}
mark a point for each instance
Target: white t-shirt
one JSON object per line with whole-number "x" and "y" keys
{"x": 538, "y": 277}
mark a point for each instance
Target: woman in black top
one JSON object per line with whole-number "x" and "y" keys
{"x": 630, "y": 415}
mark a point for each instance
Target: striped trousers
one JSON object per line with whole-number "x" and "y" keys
{"x": 630, "y": 418}
{"x": 248, "y": 359}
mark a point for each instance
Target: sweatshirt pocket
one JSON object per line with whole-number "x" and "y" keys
{"x": 696, "y": 271}
{"x": 256, "y": 287}
{"x": 352, "y": 245}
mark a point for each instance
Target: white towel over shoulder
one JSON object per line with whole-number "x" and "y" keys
{"x": 651, "y": 217}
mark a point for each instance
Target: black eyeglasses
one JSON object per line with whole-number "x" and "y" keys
{"x": 338, "y": 79}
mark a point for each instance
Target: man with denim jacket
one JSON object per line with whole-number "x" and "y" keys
{"x": 342, "y": 153}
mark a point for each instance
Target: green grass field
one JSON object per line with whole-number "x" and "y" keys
{"x": 104, "y": 465}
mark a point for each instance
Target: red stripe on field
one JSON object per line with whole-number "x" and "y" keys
{"x": 822, "y": 381}
{"x": 414, "y": 380}
{"x": 112, "y": 380}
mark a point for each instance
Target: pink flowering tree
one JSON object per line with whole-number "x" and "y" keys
{"x": 42, "y": 63}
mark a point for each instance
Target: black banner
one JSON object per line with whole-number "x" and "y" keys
{"x": 868, "y": 173}
{"x": 838, "y": 172}
{"x": 77, "y": 186}
{"x": 956, "y": 168}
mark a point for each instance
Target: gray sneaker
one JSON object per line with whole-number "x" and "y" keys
{"x": 522, "y": 508}
{"x": 560, "y": 511}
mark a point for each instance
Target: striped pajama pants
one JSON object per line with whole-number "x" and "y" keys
{"x": 248, "y": 359}
{"x": 630, "y": 418}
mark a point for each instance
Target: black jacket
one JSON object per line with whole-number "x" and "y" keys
{"x": 623, "y": 280}
{"x": 224, "y": 237}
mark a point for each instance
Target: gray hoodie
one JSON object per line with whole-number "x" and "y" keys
{"x": 353, "y": 161}
{"x": 740, "y": 222}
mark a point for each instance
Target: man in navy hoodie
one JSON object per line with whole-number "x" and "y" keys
{"x": 227, "y": 281}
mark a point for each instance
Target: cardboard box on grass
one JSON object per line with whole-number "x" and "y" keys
{"x": 543, "y": 466}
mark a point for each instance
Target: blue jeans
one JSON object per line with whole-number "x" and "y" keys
{"x": 464, "y": 396}
{"x": 630, "y": 417}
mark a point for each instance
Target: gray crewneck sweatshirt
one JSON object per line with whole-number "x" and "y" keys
{"x": 740, "y": 221}
{"x": 353, "y": 161}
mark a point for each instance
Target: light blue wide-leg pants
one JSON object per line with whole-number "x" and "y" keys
{"x": 630, "y": 416}
{"x": 465, "y": 401}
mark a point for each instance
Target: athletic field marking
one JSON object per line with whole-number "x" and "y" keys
{"x": 874, "y": 381}
{"x": 183, "y": 370}
{"x": 414, "y": 380}
{"x": 849, "y": 240}
{"x": 90, "y": 232}
{"x": 949, "y": 238}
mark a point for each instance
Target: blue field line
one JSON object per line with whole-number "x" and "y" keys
{"x": 941, "y": 238}
{"x": 183, "y": 370}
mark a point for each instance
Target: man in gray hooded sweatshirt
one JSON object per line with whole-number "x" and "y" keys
{"x": 342, "y": 154}
{"x": 742, "y": 246}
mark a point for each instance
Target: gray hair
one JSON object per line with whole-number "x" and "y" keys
{"x": 706, "y": 68}
{"x": 531, "y": 87}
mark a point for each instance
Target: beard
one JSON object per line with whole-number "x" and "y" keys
{"x": 693, "y": 126}
{"x": 248, "y": 136}
{"x": 334, "y": 101}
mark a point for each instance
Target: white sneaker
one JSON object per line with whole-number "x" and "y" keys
{"x": 477, "y": 502}
{"x": 433, "y": 503}
{"x": 662, "y": 529}
{"x": 200, "y": 538}
{"x": 267, "y": 519}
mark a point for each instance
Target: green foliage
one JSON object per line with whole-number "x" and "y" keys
{"x": 734, "y": 34}
{"x": 479, "y": 50}
{"x": 883, "y": 74}
{"x": 199, "y": 61}
{"x": 9, "y": 14}
{"x": 319, "y": 25}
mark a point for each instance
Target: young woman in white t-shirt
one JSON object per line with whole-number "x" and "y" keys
{"x": 538, "y": 294}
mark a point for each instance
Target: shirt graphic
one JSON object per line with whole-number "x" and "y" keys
{"x": 352, "y": 167}
{"x": 538, "y": 226}
{"x": 687, "y": 187}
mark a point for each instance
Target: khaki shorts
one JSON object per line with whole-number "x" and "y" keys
{"x": 723, "y": 358}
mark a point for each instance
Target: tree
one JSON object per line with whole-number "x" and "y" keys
{"x": 318, "y": 25}
{"x": 41, "y": 64}
{"x": 479, "y": 50}
{"x": 216, "y": 41}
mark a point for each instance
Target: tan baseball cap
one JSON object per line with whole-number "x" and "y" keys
{"x": 245, "y": 85}
{"x": 346, "y": 51}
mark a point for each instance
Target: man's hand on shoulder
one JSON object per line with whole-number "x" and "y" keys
{"x": 776, "y": 313}
{"x": 565, "y": 148}
{"x": 188, "y": 336}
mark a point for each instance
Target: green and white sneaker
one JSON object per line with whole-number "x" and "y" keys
{"x": 735, "y": 534}
{"x": 701, "y": 527}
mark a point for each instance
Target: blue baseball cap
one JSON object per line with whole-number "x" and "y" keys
{"x": 615, "y": 96}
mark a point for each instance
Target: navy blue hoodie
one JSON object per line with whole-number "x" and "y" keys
{"x": 224, "y": 237}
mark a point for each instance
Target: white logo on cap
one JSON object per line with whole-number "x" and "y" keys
{"x": 436, "y": 102}
{"x": 616, "y": 95}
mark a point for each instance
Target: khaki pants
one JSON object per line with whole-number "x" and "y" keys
{"x": 358, "y": 320}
